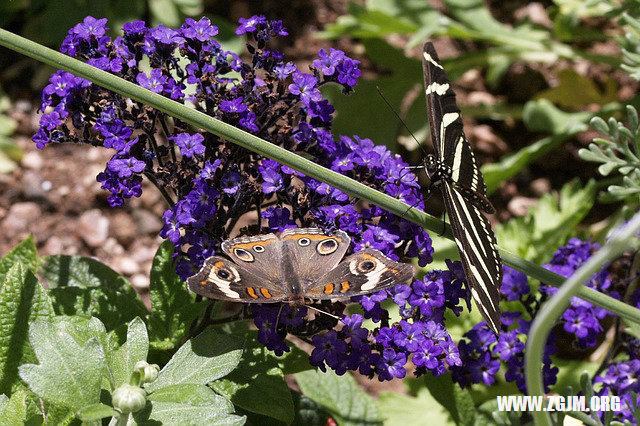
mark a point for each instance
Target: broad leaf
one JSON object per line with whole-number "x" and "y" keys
{"x": 133, "y": 350}
{"x": 69, "y": 373}
{"x": 22, "y": 301}
{"x": 14, "y": 411}
{"x": 172, "y": 304}
{"x": 457, "y": 401}
{"x": 403, "y": 410}
{"x": 25, "y": 253}
{"x": 259, "y": 385}
{"x": 340, "y": 395}
{"x": 91, "y": 413}
{"x": 201, "y": 360}
{"x": 86, "y": 287}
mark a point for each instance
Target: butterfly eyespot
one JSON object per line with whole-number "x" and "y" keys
{"x": 243, "y": 255}
{"x": 327, "y": 246}
{"x": 258, "y": 249}
{"x": 366, "y": 266}
{"x": 223, "y": 273}
{"x": 304, "y": 242}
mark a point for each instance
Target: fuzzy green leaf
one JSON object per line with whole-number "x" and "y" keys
{"x": 25, "y": 253}
{"x": 172, "y": 304}
{"x": 91, "y": 413}
{"x": 69, "y": 374}
{"x": 457, "y": 401}
{"x": 133, "y": 350}
{"x": 22, "y": 301}
{"x": 340, "y": 395}
{"x": 201, "y": 360}
{"x": 403, "y": 410}
{"x": 14, "y": 411}
{"x": 258, "y": 386}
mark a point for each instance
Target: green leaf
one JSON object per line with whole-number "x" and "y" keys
{"x": 86, "y": 287}
{"x": 25, "y": 252}
{"x": 14, "y": 411}
{"x": 308, "y": 412}
{"x": 172, "y": 304}
{"x": 340, "y": 395}
{"x": 22, "y": 301}
{"x": 91, "y": 413}
{"x": 403, "y": 410}
{"x": 111, "y": 306}
{"x": 188, "y": 403}
{"x": 133, "y": 350}
{"x": 201, "y": 360}
{"x": 69, "y": 374}
{"x": 190, "y": 393}
{"x": 259, "y": 385}
{"x": 174, "y": 414}
{"x": 574, "y": 90}
{"x": 542, "y": 116}
{"x": 61, "y": 270}
{"x": 548, "y": 224}
{"x": 456, "y": 400}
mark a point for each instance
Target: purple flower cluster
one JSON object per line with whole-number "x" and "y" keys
{"x": 419, "y": 336}
{"x": 483, "y": 354}
{"x": 210, "y": 184}
{"x": 621, "y": 379}
{"x": 582, "y": 319}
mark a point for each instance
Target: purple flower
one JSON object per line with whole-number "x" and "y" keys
{"x": 514, "y": 284}
{"x": 304, "y": 86}
{"x": 327, "y": 349}
{"x": 233, "y": 106}
{"x": 348, "y": 72}
{"x": 282, "y": 71}
{"x": 201, "y": 30}
{"x": 250, "y": 25}
{"x": 154, "y": 83}
{"x": 189, "y": 145}
{"x": 125, "y": 167}
{"x": 91, "y": 27}
{"x": 328, "y": 61}
{"x": 391, "y": 365}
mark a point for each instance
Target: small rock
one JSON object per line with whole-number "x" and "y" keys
{"x": 140, "y": 281}
{"x": 123, "y": 228}
{"x": 141, "y": 251}
{"x": 93, "y": 228}
{"x": 519, "y": 205}
{"x": 112, "y": 248}
{"x": 126, "y": 266}
{"x": 541, "y": 186}
{"x": 32, "y": 160}
{"x": 147, "y": 222}
{"x": 32, "y": 186}
{"x": 54, "y": 245}
{"x": 19, "y": 219}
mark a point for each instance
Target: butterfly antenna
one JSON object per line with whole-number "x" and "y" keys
{"x": 324, "y": 312}
{"x": 275, "y": 328}
{"x": 386, "y": 101}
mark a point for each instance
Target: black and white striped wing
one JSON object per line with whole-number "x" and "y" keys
{"x": 464, "y": 191}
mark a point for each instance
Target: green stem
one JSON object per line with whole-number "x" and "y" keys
{"x": 354, "y": 188}
{"x": 553, "y": 309}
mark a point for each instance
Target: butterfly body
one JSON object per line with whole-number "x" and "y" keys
{"x": 300, "y": 264}
{"x": 454, "y": 170}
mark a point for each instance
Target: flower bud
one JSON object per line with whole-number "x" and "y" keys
{"x": 129, "y": 399}
{"x": 148, "y": 372}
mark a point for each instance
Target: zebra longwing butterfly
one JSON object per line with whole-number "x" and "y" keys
{"x": 454, "y": 170}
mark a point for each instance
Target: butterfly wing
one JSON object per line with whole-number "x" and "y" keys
{"x": 447, "y": 132}
{"x": 364, "y": 272}
{"x": 259, "y": 254}
{"x": 464, "y": 191}
{"x": 312, "y": 252}
{"x": 220, "y": 278}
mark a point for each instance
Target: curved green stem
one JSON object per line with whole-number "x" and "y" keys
{"x": 246, "y": 140}
{"x": 553, "y": 309}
